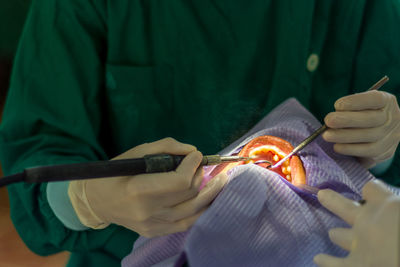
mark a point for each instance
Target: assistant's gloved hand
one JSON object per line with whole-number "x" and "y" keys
{"x": 374, "y": 237}
{"x": 149, "y": 204}
{"x": 365, "y": 125}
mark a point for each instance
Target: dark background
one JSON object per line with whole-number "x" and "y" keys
{"x": 12, "y": 18}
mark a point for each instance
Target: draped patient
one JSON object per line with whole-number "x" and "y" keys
{"x": 263, "y": 216}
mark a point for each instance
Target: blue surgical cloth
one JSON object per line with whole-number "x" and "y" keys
{"x": 260, "y": 219}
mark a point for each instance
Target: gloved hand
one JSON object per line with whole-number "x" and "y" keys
{"x": 149, "y": 204}
{"x": 374, "y": 237}
{"x": 365, "y": 125}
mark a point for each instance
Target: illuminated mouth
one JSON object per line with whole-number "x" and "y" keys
{"x": 272, "y": 149}
{"x": 268, "y": 155}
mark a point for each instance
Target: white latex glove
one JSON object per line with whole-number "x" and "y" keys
{"x": 365, "y": 125}
{"x": 374, "y": 237}
{"x": 149, "y": 204}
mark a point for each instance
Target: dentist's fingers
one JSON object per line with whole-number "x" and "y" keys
{"x": 371, "y": 162}
{"x": 348, "y": 136}
{"x": 339, "y": 205}
{"x": 169, "y": 182}
{"x": 343, "y": 237}
{"x": 324, "y": 260}
{"x": 365, "y": 125}
{"x": 356, "y": 119}
{"x": 362, "y": 101}
{"x": 166, "y": 145}
{"x": 194, "y": 205}
{"x": 185, "y": 195}
{"x": 159, "y": 228}
{"x": 382, "y": 149}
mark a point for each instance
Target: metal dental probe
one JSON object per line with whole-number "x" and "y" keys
{"x": 320, "y": 130}
{"x": 101, "y": 169}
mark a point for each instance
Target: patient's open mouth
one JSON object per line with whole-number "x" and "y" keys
{"x": 268, "y": 155}
{"x": 266, "y": 150}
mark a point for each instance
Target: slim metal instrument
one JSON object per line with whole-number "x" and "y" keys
{"x": 320, "y": 130}
{"x": 217, "y": 159}
{"x": 314, "y": 191}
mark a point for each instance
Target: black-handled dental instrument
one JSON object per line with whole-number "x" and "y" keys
{"x": 113, "y": 168}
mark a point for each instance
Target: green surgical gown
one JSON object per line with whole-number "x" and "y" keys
{"x": 94, "y": 78}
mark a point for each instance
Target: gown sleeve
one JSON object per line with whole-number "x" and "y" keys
{"x": 53, "y": 115}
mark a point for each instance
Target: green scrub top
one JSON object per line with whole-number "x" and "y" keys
{"x": 95, "y": 78}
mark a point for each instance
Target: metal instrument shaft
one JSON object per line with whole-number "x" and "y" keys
{"x": 217, "y": 159}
